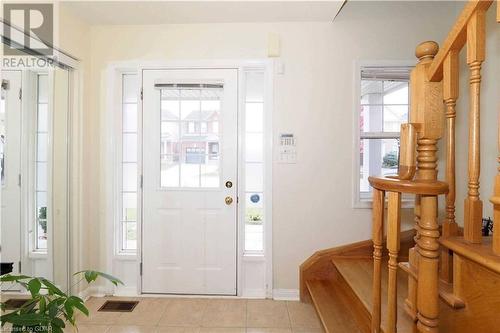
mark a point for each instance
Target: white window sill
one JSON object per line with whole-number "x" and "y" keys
{"x": 125, "y": 256}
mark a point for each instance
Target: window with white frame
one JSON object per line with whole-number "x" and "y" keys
{"x": 41, "y": 162}
{"x": 254, "y": 162}
{"x": 127, "y": 239}
{"x": 384, "y": 104}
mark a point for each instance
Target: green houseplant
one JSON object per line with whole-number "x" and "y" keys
{"x": 49, "y": 308}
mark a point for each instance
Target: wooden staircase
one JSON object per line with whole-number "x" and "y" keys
{"x": 338, "y": 282}
{"x": 438, "y": 278}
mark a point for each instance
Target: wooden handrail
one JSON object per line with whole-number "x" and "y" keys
{"x": 422, "y": 187}
{"x": 456, "y": 38}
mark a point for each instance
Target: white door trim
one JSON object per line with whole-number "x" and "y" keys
{"x": 109, "y": 161}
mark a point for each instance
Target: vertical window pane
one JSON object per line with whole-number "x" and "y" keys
{"x": 130, "y": 88}
{"x": 129, "y": 176}
{"x": 255, "y": 87}
{"x": 129, "y": 207}
{"x": 395, "y": 92}
{"x": 129, "y": 117}
{"x": 42, "y": 118}
{"x": 128, "y": 223}
{"x": 254, "y": 147}
{"x": 130, "y": 236}
{"x": 372, "y": 92}
{"x": 378, "y": 157}
{"x": 254, "y": 152}
{"x": 254, "y": 113}
{"x": 254, "y": 237}
{"x": 372, "y": 118}
{"x": 41, "y": 147}
{"x": 394, "y": 116}
{"x": 254, "y": 212}
{"x": 129, "y": 147}
{"x": 43, "y": 89}
{"x": 254, "y": 177}
{"x": 41, "y": 176}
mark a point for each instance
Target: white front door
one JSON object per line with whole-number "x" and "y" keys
{"x": 189, "y": 149}
{"x": 10, "y": 168}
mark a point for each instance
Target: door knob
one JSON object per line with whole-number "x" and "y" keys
{"x": 228, "y": 200}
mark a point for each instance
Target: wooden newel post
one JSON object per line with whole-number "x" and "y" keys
{"x": 427, "y": 111}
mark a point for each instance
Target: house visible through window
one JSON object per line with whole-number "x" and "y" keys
{"x": 190, "y": 136}
{"x": 383, "y": 107}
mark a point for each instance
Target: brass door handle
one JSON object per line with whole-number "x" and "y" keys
{"x": 228, "y": 200}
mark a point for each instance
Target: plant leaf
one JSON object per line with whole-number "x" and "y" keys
{"x": 91, "y": 276}
{"x": 79, "y": 304}
{"x": 69, "y": 309}
{"x": 52, "y": 289}
{"x": 34, "y": 286}
{"x": 27, "y": 319}
{"x": 58, "y": 322}
{"x": 10, "y": 278}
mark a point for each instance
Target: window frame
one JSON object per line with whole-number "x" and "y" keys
{"x": 357, "y": 200}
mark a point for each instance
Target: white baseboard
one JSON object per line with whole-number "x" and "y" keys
{"x": 254, "y": 293}
{"x": 93, "y": 291}
{"x": 125, "y": 291}
{"x": 286, "y": 294}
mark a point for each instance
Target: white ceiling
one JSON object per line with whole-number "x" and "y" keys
{"x": 168, "y": 12}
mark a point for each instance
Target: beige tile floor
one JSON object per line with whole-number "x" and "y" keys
{"x": 197, "y": 315}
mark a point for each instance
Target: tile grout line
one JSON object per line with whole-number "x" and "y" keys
{"x": 288, "y": 313}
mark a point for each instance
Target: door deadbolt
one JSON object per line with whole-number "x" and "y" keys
{"x": 229, "y": 184}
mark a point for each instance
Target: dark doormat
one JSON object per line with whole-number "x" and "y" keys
{"x": 118, "y": 306}
{"x": 15, "y": 303}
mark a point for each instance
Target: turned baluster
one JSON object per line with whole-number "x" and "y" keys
{"x": 411, "y": 299}
{"x": 450, "y": 95}
{"x": 377, "y": 236}
{"x": 393, "y": 231}
{"x": 473, "y": 212}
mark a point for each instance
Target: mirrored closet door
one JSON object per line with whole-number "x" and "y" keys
{"x": 34, "y": 128}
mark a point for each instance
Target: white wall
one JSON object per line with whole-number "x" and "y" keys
{"x": 313, "y": 99}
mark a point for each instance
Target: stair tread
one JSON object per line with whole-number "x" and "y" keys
{"x": 359, "y": 275}
{"x": 330, "y": 302}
